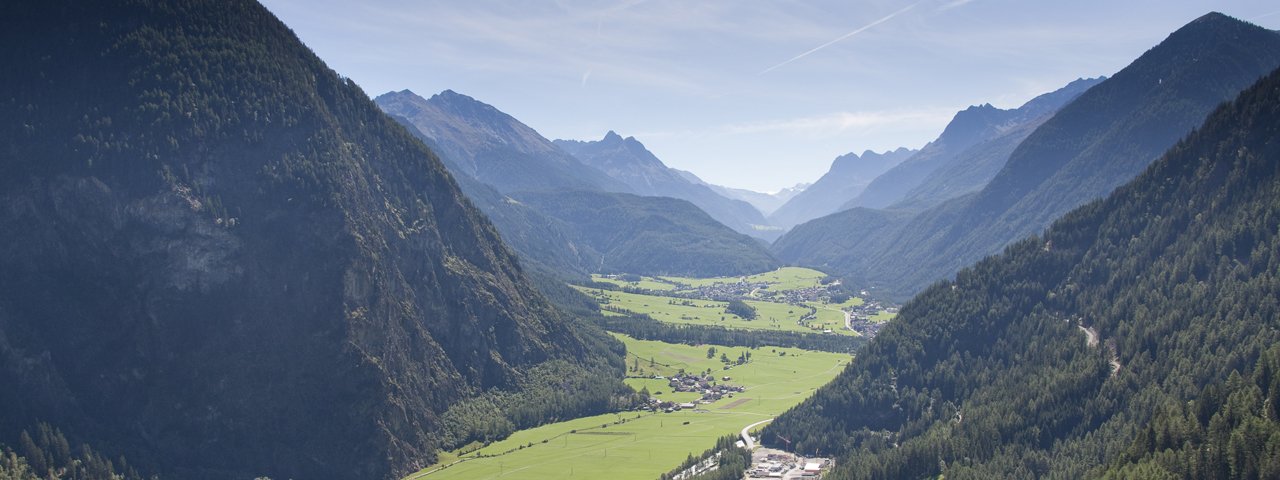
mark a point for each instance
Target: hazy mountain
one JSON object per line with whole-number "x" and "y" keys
{"x": 222, "y": 260}
{"x": 628, "y": 161}
{"x": 766, "y": 203}
{"x": 652, "y": 235}
{"x": 969, "y": 128}
{"x": 1136, "y": 339}
{"x": 972, "y": 168}
{"x": 848, "y": 176}
{"x": 477, "y": 140}
{"x": 565, "y": 242}
{"x": 1108, "y": 134}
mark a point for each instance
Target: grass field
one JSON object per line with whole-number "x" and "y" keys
{"x": 635, "y": 445}
{"x": 883, "y": 316}
{"x": 647, "y": 283}
{"x": 769, "y": 316}
{"x": 782, "y": 279}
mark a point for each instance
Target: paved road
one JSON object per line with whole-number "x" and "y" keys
{"x": 746, "y": 437}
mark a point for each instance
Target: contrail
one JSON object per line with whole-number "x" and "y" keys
{"x": 842, "y": 37}
{"x": 1265, "y": 15}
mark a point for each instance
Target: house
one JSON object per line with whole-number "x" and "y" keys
{"x": 812, "y": 468}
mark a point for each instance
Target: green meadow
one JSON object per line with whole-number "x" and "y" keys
{"x": 769, "y": 315}
{"x": 782, "y": 279}
{"x": 643, "y": 445}
{"x": 647, "y": 283}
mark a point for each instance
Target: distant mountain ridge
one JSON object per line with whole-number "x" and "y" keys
{"x": 971, "y": 127}
{"x": 628, "y": 161}
{"x": 766, "y": 203}
{"x": 973, "y": 167}
{"x": 1106, "y": 135}
{"x": 484, "y": 143}
{"x": 559, "y": 243}
{"x": 848, "y": 176}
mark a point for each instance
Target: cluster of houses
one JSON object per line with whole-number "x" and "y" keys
{"x": 703, "y": 384}
{"x": 860, "y": 317}
{"x": 724, "y": 292}
{"x": 798, "y": 296}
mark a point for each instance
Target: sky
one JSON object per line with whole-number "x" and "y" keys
{"x": 749, "y": 94}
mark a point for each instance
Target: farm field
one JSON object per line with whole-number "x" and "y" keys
{"x": 769, "y": 315}
{"x": 647, "y": 283}
{"x": 643, "y": 445}
{"x": 782, "y": 279}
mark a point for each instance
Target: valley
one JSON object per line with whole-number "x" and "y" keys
{"x": 696, "y": 393}
{"x": 788, "y": 299}
{"x": 220, "y": 257}
{"x": 644, "y": 444}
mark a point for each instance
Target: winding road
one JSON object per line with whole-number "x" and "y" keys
{"x": 746, "y": 437}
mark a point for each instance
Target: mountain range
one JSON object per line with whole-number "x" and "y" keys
{"x": 1107, "y": 135}
{"x": 766, "y": 203}
{"x": 1135, "y": 339}
{"x": 219, "y": 258}
{"x": 477, "y": 140}
{"x": 567, "y": 242}
{"x": 848, "y": 176}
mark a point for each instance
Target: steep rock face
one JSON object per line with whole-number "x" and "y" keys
{"x": 628, "y": 161}
{"x": 544, "y": 243}
{"x": 480, "y": 141}
{"x": 848, "y": 176}
{"x": 1136, "y": 339}
{"x": 220, "y": 258}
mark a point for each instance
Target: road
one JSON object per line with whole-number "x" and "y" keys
{"x": 746, "y": 436}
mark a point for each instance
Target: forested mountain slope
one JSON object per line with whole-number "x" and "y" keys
{"x": 222, "y": 260}
{"x": 1137, "y": 338}
{"x": 652, "y": 235}
{"x": 1104, "y": 137}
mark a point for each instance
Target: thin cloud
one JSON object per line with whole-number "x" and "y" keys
{"x": 822, "y": 125}
{"x": 842, "y": 37}
{"x": 1265, "y": 15}
{"x": 954, "y": 4}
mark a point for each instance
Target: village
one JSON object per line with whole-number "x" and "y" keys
{"x": 703, "y": 384}
{"x": 861, "y": 318}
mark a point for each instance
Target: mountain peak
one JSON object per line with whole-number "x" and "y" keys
{"x": 611, "y": 136}
{"x": 1213, "y": 24}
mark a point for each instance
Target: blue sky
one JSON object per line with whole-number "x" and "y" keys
{"x": 749, "y": 94}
